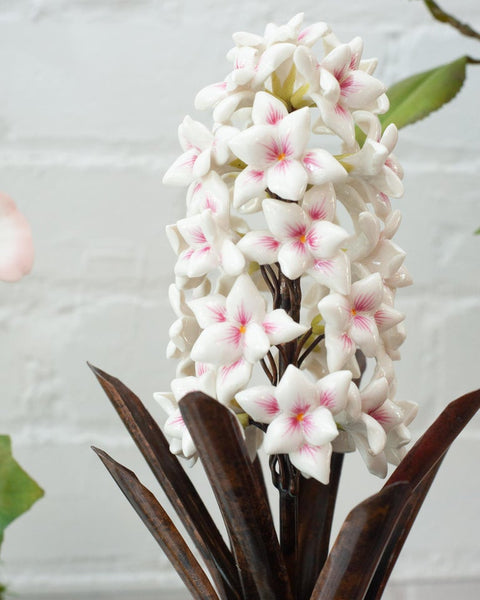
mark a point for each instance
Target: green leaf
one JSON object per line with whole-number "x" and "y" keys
{"x": 414, "y": 98}
{"x": 477, "y": 232}
{"x": 18, "y": 491}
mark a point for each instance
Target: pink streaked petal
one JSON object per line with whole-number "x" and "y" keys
{"x": 267, "y": 110}
{"x": 244, "y": 302}
{"x": 260, "y": 246}
{"x": 337, "y": 118}
{"x": 323, "y": 168}
{"x": 333, "y": 272}
{"x": 296, "y": 389}
{"x": 325, "y": 239}
{"x": 367, "y": 293}
{"x": 219, "y": 344}
{"x": 320, "y": 427}
{"x": 364, "y": 333}
{"x": 249, "y": 184}
{"x": 319, "y": 202}
{"x": 254, "y": 145}
{"x": 295, "y": 258}
{"x": 281, "y": 328}
{"x": 232, "y": 378}
{"x": 282, "y": 216}
{"x": 340, "y": 348}
{"x": 313, "y": 461}
{"x": 296, "y": 128}
{"x": 284, "y": 435}
{"x": 360, "y": 90}
{"x": 181, "y": 172}
{"x": 387, "y": 317}
{"x": 209, "y": 310}
{"x": 259, "y": 402}
{"x": 333, "y": 390}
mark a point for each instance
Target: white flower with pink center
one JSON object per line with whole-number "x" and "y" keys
{"x": 297, "y": 239}
{"x": 16, "y": 247}
{"x": 275, "y": 150}
{"x": 175, "y": 429}
{"x": 238, "y": 327}
{"x": 202, "y": 149}
{"x": 299, "y": 413}
{"x": 350, "y": 321}
{"x": 208, "y": 246}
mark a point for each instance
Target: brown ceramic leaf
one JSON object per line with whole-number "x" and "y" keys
{"x": 399, "y": 535}
{"x": 217, "y": 436}
{"x": 359, "y": 546}
{"x": 161, "y": 527}
{"x": 436, "y": 440}
{"x": 175, "y": 483}
{"x": 315, "y": 515}
{"x": 419, "y": 468}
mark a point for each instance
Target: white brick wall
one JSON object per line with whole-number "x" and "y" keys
{"x": 92, "y": 93}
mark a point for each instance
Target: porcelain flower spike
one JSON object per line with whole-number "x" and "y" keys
{"x": 286, "y": 265}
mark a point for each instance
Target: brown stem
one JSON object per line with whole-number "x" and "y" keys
{"x": 310, "y": 348}
{"x": 273, "y": 367}
{"x": 267, "y": 372}
{"x": 440, "y": 15}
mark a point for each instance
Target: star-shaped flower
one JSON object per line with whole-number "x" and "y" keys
{"x": 275, "y": 150}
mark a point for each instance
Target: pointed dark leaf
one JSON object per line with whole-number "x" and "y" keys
{"x": 419, "y": 468}
{"x": 161, "y": 527}
{"x": 359, "y": 546}
{"x": 175, "y": 483}
{"x": 436, "y": 440}
{"x": 399, "y": 535}
{"x": 315, "y": 513}
{"x": 217, "y": 436}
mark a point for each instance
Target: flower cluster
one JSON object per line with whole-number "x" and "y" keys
{"x": 286, "y": 262}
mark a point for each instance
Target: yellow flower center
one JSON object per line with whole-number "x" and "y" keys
{"x": 300, "y": 417}
{"x": 242, "y": 329}
{"x": 281, "y": 156}
{"x": 303, "y": 238}
{"x": 354, "y": 312}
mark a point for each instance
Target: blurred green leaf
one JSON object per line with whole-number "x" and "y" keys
{"x": 414, "y": 98}
{"x": 477, "y": 232}
{"x": 18, "y": 491}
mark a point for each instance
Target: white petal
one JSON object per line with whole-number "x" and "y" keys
{"x": 367, "y": 294}
{"x": 340, "y": 348}
{"x": 268, "y": 110}
{"x": 333, "y": 272}
{"x": 284, "y": 435}
{"x": 313, "y": 461}
{"x": 319, "y": 202}
{"x": 296, "y": 392}
{"x": 210, "y": 95}
{"x": 333, "y": 390}
{"x": 259, "y": 402}
{"x": 232, "y": 378}
{"x": 387, "y": 317}
{"x": 280, "y": 327}
{"x": 181, "y": 172}
{"x": 325, "y": 239}
{"x": 16, "y": 246}
{"x": 295, "y": 128}
{"x": 283, "y": 218}
{"x": 260, "y": 246}
{"x": 249, "y": 184}
{"x": 256, "y": 343}
{"x": 209, "y": 310}
{"x": 375, "y": 394}
{"x": 233, "y": 261}
{"x": 245, "y": 304}
{"x": 364, "y": 333}
{"x": 323, "y": 168}
{"x": 319, "y": 427}
{"x": 219, "y": 344}
{"x": 288, "y": 179}
{"x": 252, "y": 146}
{"x": 336, "y": 311}
{"x": 295, "y": 258}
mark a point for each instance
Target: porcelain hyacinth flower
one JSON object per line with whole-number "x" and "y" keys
{"x": 286, "y": 261}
